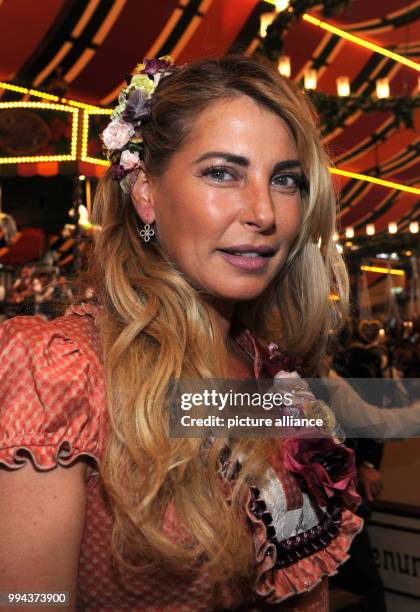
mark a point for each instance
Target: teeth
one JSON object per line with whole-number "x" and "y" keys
{"x": 247, "y": 254}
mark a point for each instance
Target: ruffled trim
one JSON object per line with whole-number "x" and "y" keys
{"x": 268, "y": 360}
{"x": 46, "y": 458}
{"x": 275, "y": 583}
{"x": 51, "y": 394}
{"x": 83, "y": 309}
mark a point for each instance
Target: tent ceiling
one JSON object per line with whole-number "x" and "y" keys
{"x": 95, "y": 42}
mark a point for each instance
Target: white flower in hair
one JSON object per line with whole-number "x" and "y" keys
{"x": 129, "y": 160}
{"x": 117, "y": 134}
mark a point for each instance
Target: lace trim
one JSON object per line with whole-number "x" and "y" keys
{"x": 302, "y": 544}
{"x": 282, "y": 574}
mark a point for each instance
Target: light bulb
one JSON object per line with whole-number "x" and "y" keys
{"x": 266, "y": 19}
{"x": 392, "y": 227}
{"x": 83, "y": 215}
{"x": 370, "y": 229}
{"x": 414, "y": 227}
{"x": 284, "y": 66}
{"x": 382, "y": 88}
{"x": 310, "y": 80}
{"x": 343, "y": 86}
{"x": 349, "y": 232}
{"x": 281, "y": 5}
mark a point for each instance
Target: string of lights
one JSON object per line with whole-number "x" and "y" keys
{"x": 72, "y": 156}
{"x": 47, "y": 96}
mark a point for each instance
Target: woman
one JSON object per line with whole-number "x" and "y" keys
{"x": 207, "y": 261}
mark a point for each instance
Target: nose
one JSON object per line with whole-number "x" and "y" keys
{"x": 257, "y": 211}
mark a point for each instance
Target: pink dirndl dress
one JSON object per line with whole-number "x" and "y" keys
{"x": 53, "y": 410}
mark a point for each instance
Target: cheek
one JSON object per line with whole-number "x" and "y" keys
{"x": 184, "y": 223}
{"x": 289, "y": 218}
{"x": 205, "y": 216}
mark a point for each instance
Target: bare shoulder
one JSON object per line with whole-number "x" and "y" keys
{"x": 42, "y": 517}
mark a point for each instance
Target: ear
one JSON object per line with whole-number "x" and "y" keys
{"x": 141, "y": 197}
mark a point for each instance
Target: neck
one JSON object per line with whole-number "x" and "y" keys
{"x": 239, "y": 365}
{"x": 224, "y": 312}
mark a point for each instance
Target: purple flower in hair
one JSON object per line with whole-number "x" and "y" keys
{"x": 118, "y": 172}
{"x": 151, "y": 66}
{"x": 137, "y": 107}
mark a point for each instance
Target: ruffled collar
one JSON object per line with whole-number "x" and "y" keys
{"x": 85, "y": 308}
{"x": 268, "y": 360}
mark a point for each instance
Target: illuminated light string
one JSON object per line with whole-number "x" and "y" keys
{"x": 33, "y": 159}
{"x": 99, "y": 111}
{"x": 382, "y": 270}
{"x": 360, "y": 41}
{"x": 95, "y": 160}
{"x": 94, "y": 109}
{"x": 16, "y": 88}
{"x": 45, "y": 158}
{"x": 375, "y": 180}
{"x": 85, "y": 135}
{"x": 74, "y": 134}
{"x": 46, "y": 105}
{"x": 336, "y": 298}
{"x": 101, "y": 162}
{"x": 87, "y": 110}
{"x": 47, "y": 96}
{"x": 346, "y": 173}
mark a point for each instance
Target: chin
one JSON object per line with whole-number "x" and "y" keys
{"x": 239, "y": 294}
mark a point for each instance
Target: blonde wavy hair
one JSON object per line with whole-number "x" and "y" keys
{"x": 154, "y": 327}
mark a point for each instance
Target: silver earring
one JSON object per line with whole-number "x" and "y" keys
{"x": 147, "y": 232}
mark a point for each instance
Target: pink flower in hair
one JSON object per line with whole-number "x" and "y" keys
{"x": 117, "y": 134}
{"x": 129, "y": 160}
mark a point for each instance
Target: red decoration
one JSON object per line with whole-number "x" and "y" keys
{"x": 47, "y": 168}
{"x": 27, "y": 169}
{"x": 28, "y": 245}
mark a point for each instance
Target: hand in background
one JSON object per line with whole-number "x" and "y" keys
{"x": 371, "y": 482}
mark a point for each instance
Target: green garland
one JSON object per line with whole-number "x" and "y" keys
{"x": 334, "y": 110}
{"x": 368, "y": 247}
{"x": 272, "y": 45}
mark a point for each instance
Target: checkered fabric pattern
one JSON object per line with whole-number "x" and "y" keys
{"x": 52, "y": 410}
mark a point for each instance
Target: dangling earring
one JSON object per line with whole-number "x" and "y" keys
{"x": 147, "y": 232}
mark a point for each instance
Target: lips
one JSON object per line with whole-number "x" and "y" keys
{"x": 248, "y": 250}
{"x": 248, "y": 257}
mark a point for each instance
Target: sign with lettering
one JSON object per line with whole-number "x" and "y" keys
{"x": 396, "y": 547}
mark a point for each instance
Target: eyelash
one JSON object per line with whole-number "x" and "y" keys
{"x": 299, "y": 180}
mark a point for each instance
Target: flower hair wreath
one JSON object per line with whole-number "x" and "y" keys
{"x": 122, "y": 139}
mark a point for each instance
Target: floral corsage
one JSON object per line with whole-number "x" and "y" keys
{"x": 122, "y": 139}
{"x": 326, "y": 468}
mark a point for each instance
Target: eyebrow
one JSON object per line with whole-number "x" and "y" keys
{"x": 245, "y": 162}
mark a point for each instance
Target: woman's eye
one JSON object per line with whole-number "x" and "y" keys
{"x": 218, "y": 174}
{"x": 291, "y": 182}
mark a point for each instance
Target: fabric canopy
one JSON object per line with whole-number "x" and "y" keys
{"x": 94, "y": 43}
